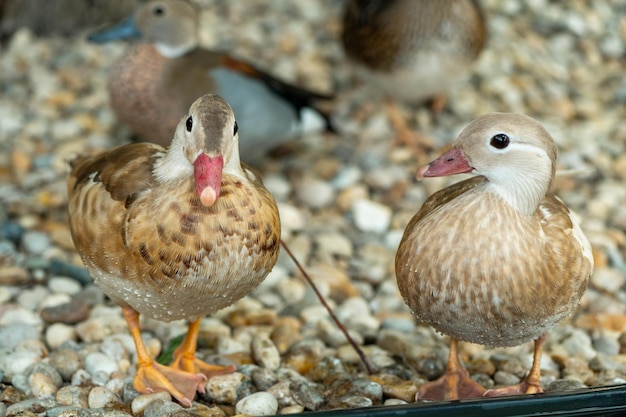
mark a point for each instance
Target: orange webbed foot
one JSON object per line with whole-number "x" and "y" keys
{"x": 521, "y": 388}
{"x": 181, "y": 385}
{"x": 453, "y": 385}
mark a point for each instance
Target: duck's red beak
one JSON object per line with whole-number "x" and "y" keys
{"x": 450, "y": 163}
{"x": 208, "y": 174}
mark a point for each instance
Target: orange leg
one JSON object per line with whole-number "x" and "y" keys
{"x": 455, "y": 384}
{"x": 185, "y": 355}
{"x": 404, "y": 135}
{"x": 152, "y": 376}
{"x": 532, "y": 384}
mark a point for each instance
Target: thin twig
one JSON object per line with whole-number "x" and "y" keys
{"x": 330, "y": 311}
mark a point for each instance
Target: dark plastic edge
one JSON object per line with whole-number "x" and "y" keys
{"x": 600, "y": 401}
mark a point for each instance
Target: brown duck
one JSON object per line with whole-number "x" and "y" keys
{"x": 175, "y": 233}
{"x": 495, "y": 259}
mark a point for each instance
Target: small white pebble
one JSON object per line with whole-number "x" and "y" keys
{"x": 370, "y": 216}
{"x": 257, "y": 404}
{"x": 35, "y": 242}
{"x": 278, "y": 186}
{"x": 64, "y": 285}
{"x": 59, "y": 333}
{"x": 100, "y": 397}
{"x": 54, "y": 300}
{"x": 291, "y": 218}
{"x": 99, "y": 362}
{"x": 315, "y": 193}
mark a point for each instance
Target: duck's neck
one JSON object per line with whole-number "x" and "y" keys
{"x": 175, "y": 51}
{"x": 172, "y": 165}
{"x": 522, "y": 191}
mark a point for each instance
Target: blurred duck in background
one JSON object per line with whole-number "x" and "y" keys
{"x": 412, "y": 50}
{"x": 156, "y": 80}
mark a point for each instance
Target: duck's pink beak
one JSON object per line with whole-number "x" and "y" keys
{"x": 208, "y": 174}
{"x": 450, "y": 163}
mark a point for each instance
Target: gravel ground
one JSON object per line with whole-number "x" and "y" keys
{"x": 65, "y": 349}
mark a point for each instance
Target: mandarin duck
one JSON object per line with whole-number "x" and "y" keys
{"x": 152, "y": 85}
{"x": 411, "y": 50}
{"x": 495, "y": 259}
{"x": 175, "y": 233}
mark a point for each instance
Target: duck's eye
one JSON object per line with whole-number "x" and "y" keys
{"x": 158, "y": 11}
{"x": 500, "y": 141}
{"x": 235, "y": 129}
{"x": 189, "y": 123}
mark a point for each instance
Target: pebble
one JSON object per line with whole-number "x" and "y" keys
{"x": 506, "y": 378}
{"x": 370, "y": 216}
{"x": 59, "y": 333}
{"x": 41, "y": 385}
{"x": 13, "y": 275}
{"x": 286, "y": 332}
{"x": 12, "y": 335}
{"x": 35, "y": 243}
{"x": 66, "y": 361}
{"x": 19, "y": 315}
{"x": 331, "y": 245}
{"x": 606, "y": 344}
{"x": 395, "y": 387}
{"x": 609, "y": 280}
{"x": 257, "y": 404}
{"x": 292, "y": 409}
{"x": 30, "y": 406}
{"x": 160, "y": 408}
{"x": 64, "y": 285}
{"x": 350, "y": 401}
{"x": 97, "y": 362}
{"x": 81, "y": 377}
{"x": 73, "y": 396}
{"x": 53, "y": 300}
{"x": 226, "y": 389}
{"x": 141, "y": 402}
{"x": 32, "y": 298}
{"x": 578, "y": 343}
{"x": 278, "y": 186}
{"x": 15, "y": 363}
{"x": 265, "y": 353}
{"x": 315, "y": 193}
{"x": 100, "y": 397}
{"x": 306, "y": 395}
{"x": 282, "y": 392}
{"x": 21, "y": 382}
{"x": 71, "y": 312}
{"x": 561, "y": 385}
{"x": 263, "y": 378}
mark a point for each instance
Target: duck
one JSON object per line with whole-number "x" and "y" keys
{"x": 412, "y": 51}
{"x": 175, "y": 233}
{"x": 495, "y": 259}
{"x": 157, "y": 78}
